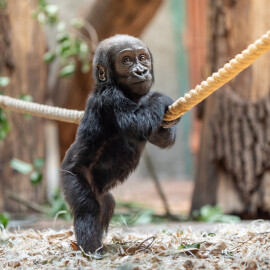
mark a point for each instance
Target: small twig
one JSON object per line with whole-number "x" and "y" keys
{"x": 30, "y": 205}
{"x": 154, "y": 177}
{"x": 152, "y": 237}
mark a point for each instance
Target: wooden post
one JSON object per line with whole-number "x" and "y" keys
{"x": 233, "y": 167}
{"x": 22, "y": 46}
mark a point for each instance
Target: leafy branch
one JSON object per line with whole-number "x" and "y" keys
{"x": 4, "y": 124}
{"x": 71, "y": 44}
{"x": 33, "y": 170}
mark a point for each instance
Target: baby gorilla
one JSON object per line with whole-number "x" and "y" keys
{"x": 120, "y": 117}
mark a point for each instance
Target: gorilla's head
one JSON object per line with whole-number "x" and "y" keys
{"x": 125, "y": 61}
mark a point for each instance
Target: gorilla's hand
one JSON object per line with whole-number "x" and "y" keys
{"x": 168, "y": 124}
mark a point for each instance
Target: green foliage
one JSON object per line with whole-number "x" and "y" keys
{"x": 36, "y": 177}
{"x": 49, "y": 56}
{"x": 24, "y": 97}
{"x": 70, "y": 45}
{"x": 142, "y": 217}
{"x": 70, "y": 48}
{"x": 4, "y": 125}
{"x": 21, "y": 166}
{"x": 196, "y": 245}
{"x": 210, "y": 213}
{"x": 67, "y": 70}
{"x": 34, "y": 170}
{"x": 57, "y": 204}
{"x": 132, "y": 213}
{"x": 28, "y": 98}
{"x": 46, "y": 13}
{"x": 39, "y": 163}
{"x": 227, "y": 253}
{"x": 3, "y": 3}
{"x": 4, "y": 219}
{"x": 4, "y": 81}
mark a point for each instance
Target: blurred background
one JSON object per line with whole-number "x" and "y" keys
{"x": 218, "y": 170}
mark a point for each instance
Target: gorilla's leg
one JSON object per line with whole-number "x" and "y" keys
{"x": 85, "y": 209}
{"x": 107, "y": 210}
{"x": 88, "y": 231}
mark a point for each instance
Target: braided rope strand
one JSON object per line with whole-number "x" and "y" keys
{"x": 40, "y": 110}
{"x": 218, "y": 79}
{"x": 178, "y": 108}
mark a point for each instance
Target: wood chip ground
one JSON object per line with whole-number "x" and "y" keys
{"x": 230, "y": 246}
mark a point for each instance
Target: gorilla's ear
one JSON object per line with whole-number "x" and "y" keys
{"x": 102, "y": 73}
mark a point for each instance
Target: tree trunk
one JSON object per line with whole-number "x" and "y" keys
{"x": 108, "y": 17}
{"x": 233, "y": 165}
{"x": 22, "y": 46}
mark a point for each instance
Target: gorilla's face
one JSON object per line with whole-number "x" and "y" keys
{"x": 127, "y": 62}
{"x": 133, "y": 68}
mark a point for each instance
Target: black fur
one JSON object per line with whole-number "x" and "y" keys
{"x": 108, "y": 146}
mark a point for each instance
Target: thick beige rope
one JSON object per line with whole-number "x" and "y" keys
{"x": 218, "y": 79}
{"x": 178, "y": 108}
{"x": 50, "y": 112}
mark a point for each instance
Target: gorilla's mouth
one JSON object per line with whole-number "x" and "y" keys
{"x": 140, "y": 82}
{"x": 137, "y": 80}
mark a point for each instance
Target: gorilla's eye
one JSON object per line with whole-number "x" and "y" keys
{"x": 142, "y": 57}
{"x": 126, "y": 60}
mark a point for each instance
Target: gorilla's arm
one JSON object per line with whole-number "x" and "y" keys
{"x": 164, "y": 136}
{"x": 135, "y": 120}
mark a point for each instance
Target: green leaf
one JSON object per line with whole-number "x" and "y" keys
{"x": 210, "y": 213}
{"x": 51, "y": 10}
{"x": 65, "y": 45}
{"x": 21, "y": 166}
{"x": 61, "y": 37}
{"x": 83, "y": 48}
{"x": 28, "y": 98}
{"x": 4, "y": 81}
{"x": 42, "y": 3}
{"x": 196, "y": 245}
{"x": 224, "y": 218}
{"x": 61, "y": 26}
{"x": 4, "y": 219}
{"x": 49, "y": 56}
{"x": 77, "y": 22}
{"x": 36, "y": 177}
{"x": 67, "y": 70}
{"x": 41, "y": 17}
{"x": 58, "y": 204}
{"x": 39, "y": 162}
{"x": 227, "y": 253}
{"x": 85, "y": 68}
{"x": 4, "y": 125}
{"x": 144, "y": 217}
{"x": 212, "y": 234}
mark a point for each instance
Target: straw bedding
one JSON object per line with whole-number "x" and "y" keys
{"x": 234, "y": 246}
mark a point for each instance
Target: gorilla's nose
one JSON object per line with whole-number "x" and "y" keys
{"x": 141, "y": 72}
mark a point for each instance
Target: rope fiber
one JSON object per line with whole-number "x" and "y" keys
{"x": 40, "y": 110}
{"x": 178, "y": 108}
